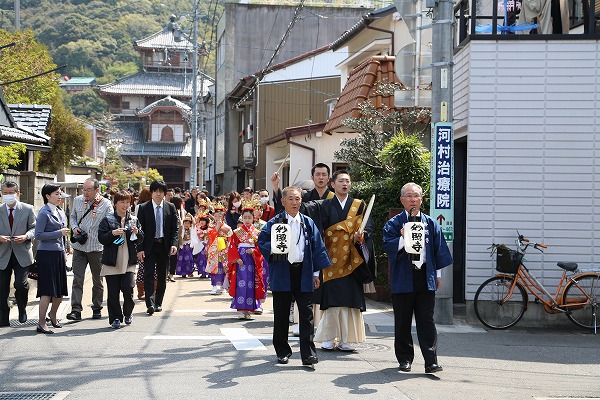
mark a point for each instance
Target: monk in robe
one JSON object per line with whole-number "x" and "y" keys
{"x": 342, "y": 298}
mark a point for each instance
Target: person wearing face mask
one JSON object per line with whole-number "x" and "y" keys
{"x": 17, "y": 229}
{"x": 268, "y": 212}
{"x": 234, "y": 209}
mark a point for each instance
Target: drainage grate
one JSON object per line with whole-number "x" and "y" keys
{"x": 14, "y": 323}
{"x": 369, "y": 347}
{"x": 33, "y": 395}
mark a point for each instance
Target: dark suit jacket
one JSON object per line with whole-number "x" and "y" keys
{"x": 170, "y": 226}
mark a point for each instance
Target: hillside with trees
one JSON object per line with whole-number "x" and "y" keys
{"x": 95, "y": 38}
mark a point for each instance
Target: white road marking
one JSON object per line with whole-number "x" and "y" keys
{"x": 180, "y": 337}
{"x": 242, "y": 339}
{"x": 225, "y": 310}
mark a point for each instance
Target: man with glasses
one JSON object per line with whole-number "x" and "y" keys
{"x": 87, "y": 212}
{"x": 415, "y": 280}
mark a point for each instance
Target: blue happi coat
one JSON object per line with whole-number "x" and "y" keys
{"x": 437, "y": 254}
{"x": 315, "y": 256}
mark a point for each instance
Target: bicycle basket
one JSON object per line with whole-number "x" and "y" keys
{"x": 507, "y": 260}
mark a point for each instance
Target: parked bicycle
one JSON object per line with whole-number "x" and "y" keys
{"x": 501, "y": 301}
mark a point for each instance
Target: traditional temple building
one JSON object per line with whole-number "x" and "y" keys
{"x": 152, "y": 107}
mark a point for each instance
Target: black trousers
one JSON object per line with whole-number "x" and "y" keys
{"x": 172, "y": 264}
{"x": 157, "y": 259}
{"x": 281, "y": 313}
{"x": 115, "y": 285}
{"x": 21, "y": 288}
{"x": 421, "y": 304}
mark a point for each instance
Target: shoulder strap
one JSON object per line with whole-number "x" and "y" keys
{"x": 86, "y": 213}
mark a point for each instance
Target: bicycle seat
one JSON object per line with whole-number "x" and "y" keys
{"x": 567, "y": 266}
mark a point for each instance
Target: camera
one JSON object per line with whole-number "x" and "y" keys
{"x": 80, "y": 238}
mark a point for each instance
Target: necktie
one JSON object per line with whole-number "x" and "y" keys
{"x": 158, "y": 221}
{"x": 293, "y": 253}
{"x": 11, "y": 218}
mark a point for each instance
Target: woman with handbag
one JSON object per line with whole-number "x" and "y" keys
{"x": 51, "y": 231}
{"x": 119, "y": 233}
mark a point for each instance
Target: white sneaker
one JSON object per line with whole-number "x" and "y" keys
{"x": 219, "y": 289}
{"x": 296, "y": 330}
{"x": 247, "y": 315}
{"x": 345, "y": 347}
{"x": 328, "y": 345}
{"x": 241, "y": 315}
{"x": 258, "y": 311}
{"x": 214, "y": 290}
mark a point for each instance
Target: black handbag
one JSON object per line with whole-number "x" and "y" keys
{"x": 34, "y": 270}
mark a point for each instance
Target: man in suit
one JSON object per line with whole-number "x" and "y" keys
{"x": 294, "y": 274}
{"x": 17, "y": 226}
{"x": 161, "y": 236}
{"x": 414, "y": 281}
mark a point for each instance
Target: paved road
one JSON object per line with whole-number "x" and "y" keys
{"x": 197, "y": 349}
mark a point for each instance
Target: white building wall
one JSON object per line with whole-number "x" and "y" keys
{"x": 301, "y": 158}
{"x": 533, "y": 152}
{"x": 135, "y": 102}
{"x": 157, "y": 132}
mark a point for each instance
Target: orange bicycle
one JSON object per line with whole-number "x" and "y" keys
{"x": 501, "y": 301}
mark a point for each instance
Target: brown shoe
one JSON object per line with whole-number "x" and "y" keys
{"x": 140, "y": 290}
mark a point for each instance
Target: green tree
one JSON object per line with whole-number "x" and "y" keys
{"x": 70, "y": 138}
{"x": 387, "y": 153}
{"x": 87, "y": 104}
{"x": 28, "y": 58}
{"x": 22, "y": 60}
{"x": 10, "y": 156}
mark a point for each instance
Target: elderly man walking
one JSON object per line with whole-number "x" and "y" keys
{"x": 88, "y": 211}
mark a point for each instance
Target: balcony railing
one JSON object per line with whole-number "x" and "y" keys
{"x": 467, "y": 25}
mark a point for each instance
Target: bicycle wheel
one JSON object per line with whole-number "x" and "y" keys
{"x": 583, "y": 314}
{"x": 492, "y": 306}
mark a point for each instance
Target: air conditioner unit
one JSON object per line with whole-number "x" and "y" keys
{"x": 248, "y": 151}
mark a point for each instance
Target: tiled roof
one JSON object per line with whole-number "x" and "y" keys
{"x": 167, "y": 102}
{"x": 156, "y": 84}
{"x": 169, "y": 38}
{"x": 359, "y": 88}
{"x": 362, "y": 24}
{"x": 21, "y": 136}
{"x": 32, "y": 117}
{"x": 133, "y": 143}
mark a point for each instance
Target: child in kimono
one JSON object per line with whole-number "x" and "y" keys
{"x": 245, "y": 267}
{"x": 185, "y": 259}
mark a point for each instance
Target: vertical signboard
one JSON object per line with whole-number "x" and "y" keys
{"x": 441, "y": 206}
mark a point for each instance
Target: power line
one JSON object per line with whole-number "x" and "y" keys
{"x": 33, "y": 76}
{"x": 275, "y": 54}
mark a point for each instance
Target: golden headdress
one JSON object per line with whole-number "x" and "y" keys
{"x": 204, "y": 203}
{"x": 219, "y": 206}
{"x": 202, "y": 215}
{"x": 247, "y": 205}
{"x": 188, "y": 217}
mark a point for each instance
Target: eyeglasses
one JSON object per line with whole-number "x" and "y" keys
{"x": 412, "y": 196}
